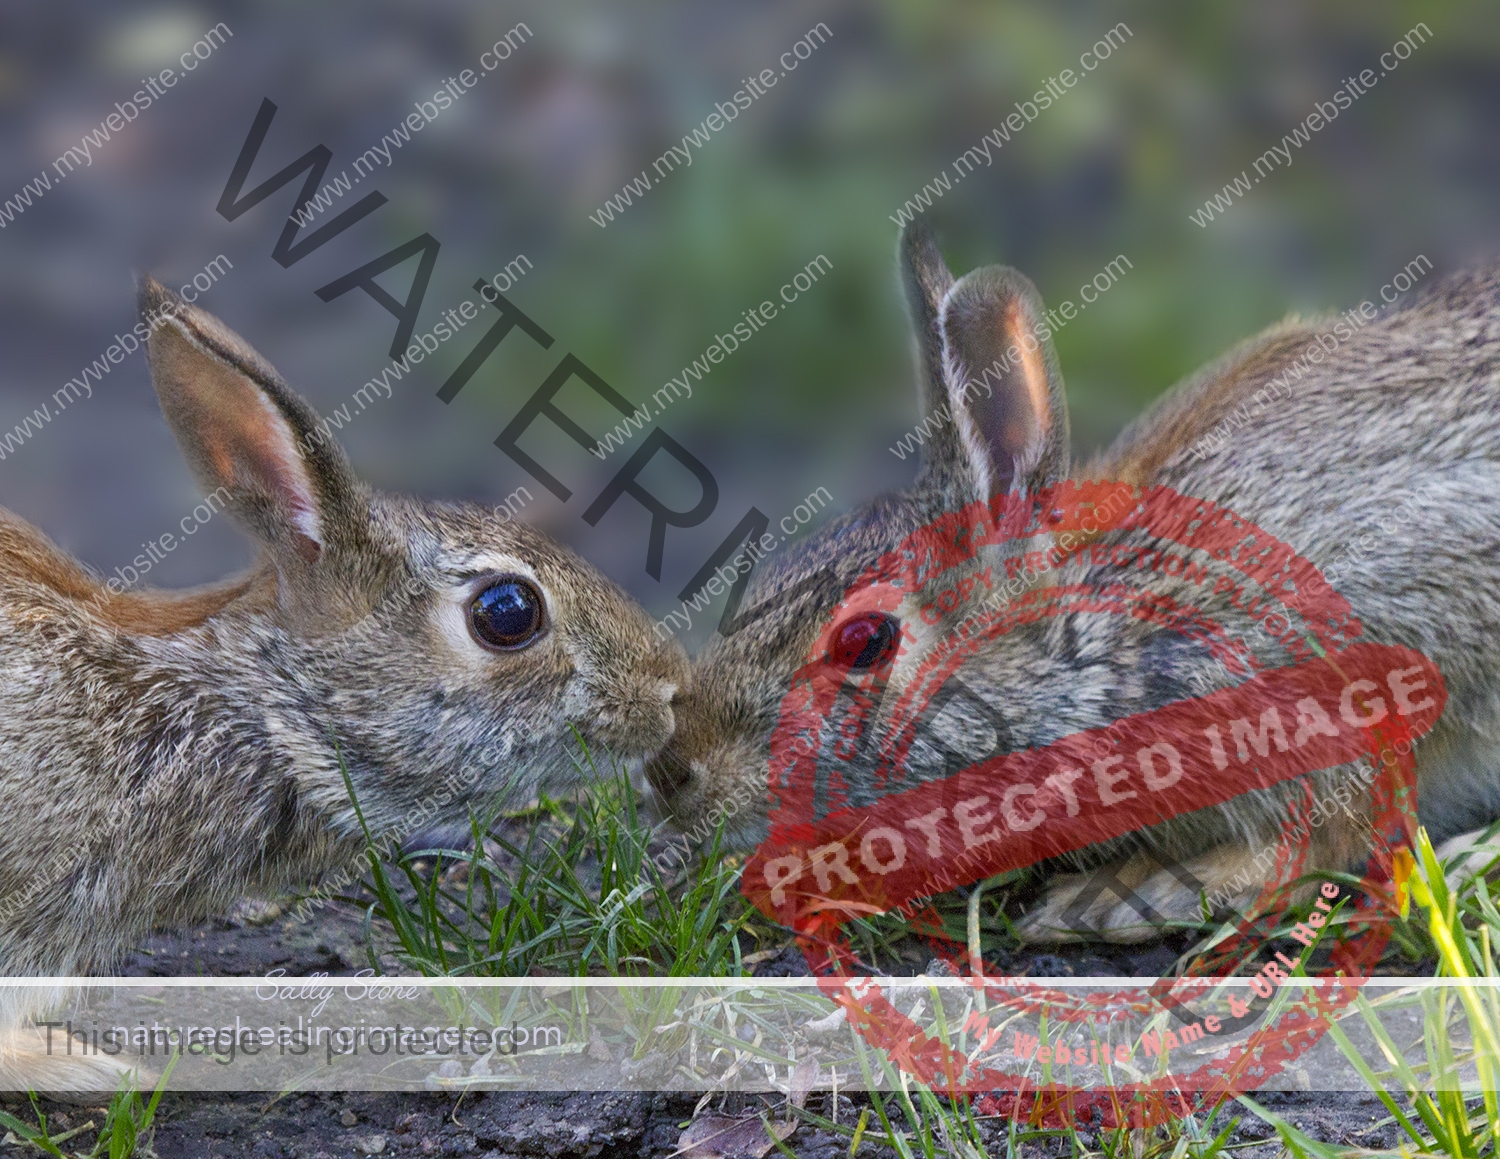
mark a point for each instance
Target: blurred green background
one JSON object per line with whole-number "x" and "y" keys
{"x": 816, "y": 166}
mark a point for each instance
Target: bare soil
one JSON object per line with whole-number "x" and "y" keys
{"x": 256, "y": 939}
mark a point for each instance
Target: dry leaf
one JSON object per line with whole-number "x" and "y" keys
{"x": 804, "y": 1078}
{"x": 829, "y": 1022}
{"x": 716, "y": 1137}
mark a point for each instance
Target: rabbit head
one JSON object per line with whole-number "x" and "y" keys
{"x": 439, "y": 651}
{"x": 990, "y": 384}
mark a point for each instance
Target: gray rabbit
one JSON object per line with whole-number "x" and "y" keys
{"x": 164, "y": 753}
{"x": 1403, "y": 413}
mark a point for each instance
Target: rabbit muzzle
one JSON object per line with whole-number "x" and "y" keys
{"x": 668, "y": 774}
{"x": 627, "y": 704}
{"x": 634, "y": 726}
{"x": 708, "y": 772}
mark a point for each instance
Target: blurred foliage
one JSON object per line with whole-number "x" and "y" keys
{"x": 1114, "y": 167}
{"x": 816, "y": 166}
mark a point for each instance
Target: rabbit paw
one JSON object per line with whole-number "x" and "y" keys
{"x": 25, "y": 1064}
{"x": 1128, "y": 901}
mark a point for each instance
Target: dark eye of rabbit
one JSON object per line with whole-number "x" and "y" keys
{"x": 508, "y": 614}
{"x": 865, "y": 641}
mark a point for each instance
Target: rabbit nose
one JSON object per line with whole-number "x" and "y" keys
{"x": 638, "y": 718}
{"x": 668, "y": 773}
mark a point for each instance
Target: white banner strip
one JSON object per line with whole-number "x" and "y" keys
{"x": 1122, "y": 1035}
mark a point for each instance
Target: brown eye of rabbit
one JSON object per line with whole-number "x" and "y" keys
{"x": 508, "y": 614}
{"x": 864, "y": 641}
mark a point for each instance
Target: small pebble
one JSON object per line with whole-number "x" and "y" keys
{"x": 349, "y": 1118}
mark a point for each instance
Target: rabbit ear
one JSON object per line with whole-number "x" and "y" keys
{"x": 926, "y": 279}
{"x": 246, "y": 434}
{"x": 1003, "y": 383}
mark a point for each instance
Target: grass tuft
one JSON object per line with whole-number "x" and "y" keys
{"x": 568, "y": 887}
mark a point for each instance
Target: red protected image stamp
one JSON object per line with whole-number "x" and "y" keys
{"x": 838, "y": 849}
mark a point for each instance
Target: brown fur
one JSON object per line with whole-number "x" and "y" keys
{"x": 28, "y": 556}
{"x": 162, "y": 754}
{"x": 1198, "y": 406}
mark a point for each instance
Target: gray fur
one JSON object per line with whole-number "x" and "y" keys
{"x": 1403, "y": 412}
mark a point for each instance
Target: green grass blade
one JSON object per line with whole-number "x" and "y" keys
{"x": 36, "y": 1137}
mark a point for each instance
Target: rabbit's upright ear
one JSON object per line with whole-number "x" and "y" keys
{"x": 1002, "y": 384}
{"x": 925, "y": 277}
{"x": 248, "y": 438}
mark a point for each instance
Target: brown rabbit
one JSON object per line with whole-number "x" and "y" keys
{"x": 164, "y": 753}
{"x": 1404, "y": 411}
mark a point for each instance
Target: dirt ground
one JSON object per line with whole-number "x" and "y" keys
{"x": 554, "y": 1126}
{"x": 322, "y": 1126}
{"x": 256, "y": 939}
